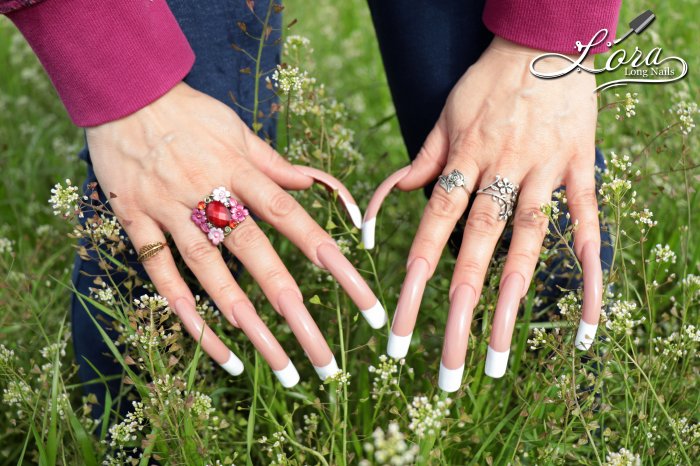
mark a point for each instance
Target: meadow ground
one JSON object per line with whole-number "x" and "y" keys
{"x": 632, "y": 400}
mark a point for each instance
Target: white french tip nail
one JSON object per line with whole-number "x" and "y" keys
{"x": 450, "y": 379}
{"x": 288, "y": 376}
{"x": 397, "y": 347}
{"x": 496, "y": 363}
{"x": 233, "y": 366}
{"x": 368, "y": 233}
{"x": 355, "y": 214}
{"x": 329, "y": 369}
{"x": 585, "y": 335}
{"x": 375, "y": 315}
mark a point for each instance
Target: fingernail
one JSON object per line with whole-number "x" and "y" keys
{"x": 368, "y": 233}
{"x": 304, "y": 328}
{"x": 233, "y": 366}
{"x": 260, "y": 335}
{"x": 407, "y": 308}
{"x": 450, "y": 380}
{"x": 456, "y": 338}
{"x": 496, "y": 362}
{"x": 592, "y": 296}
{"x": 336, "y": 185}
{"x": 397, "y": 347}
{"x": 352, "y": 282}
{"x": 375, "y": 203}
{"x": 327, "y": 370}
{"x": 288, "y": 376}
{"x": 503, "y": 324}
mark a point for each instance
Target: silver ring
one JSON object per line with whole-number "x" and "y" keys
{"x": 452, "y": 180}
{"x": 505, "y": 193}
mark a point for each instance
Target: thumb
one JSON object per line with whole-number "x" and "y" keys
{"x": 430, "y": 161}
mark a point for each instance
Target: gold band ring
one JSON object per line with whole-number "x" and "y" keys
{"x": 149, "y": 250}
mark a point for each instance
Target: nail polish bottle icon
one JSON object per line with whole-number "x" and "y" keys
{"x": 637, "y": 25}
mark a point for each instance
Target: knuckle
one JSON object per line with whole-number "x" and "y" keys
{"x": 246, "y": 236}
{"x": 228, "y": 289}
{"x": 198, "y": 252}
{"x": 282, "y": 204}
{"x": 442, "y": 205}
{"x": 482, "y": 221}
{"x": 583, "y": 197}
{"x": 531, "y": 218}
{"x": 469, "y": 267}
{"x": 524, "y": 256}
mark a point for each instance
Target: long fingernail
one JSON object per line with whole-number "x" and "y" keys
{"x": 327, "y": 370}
{"x": 370, "y": 220}
{"x": 305, "y": 329}
{"x": 263, "y": 340}
{"x": 592, "y": 296}
{"x": 407, "y": 308}
{"x": 334, "y": 184}
{"x": 503, "y": 325}
{"x": 353, "y": 283}
{"x": 233, "y": 365}
{"x": 210, "y": 343}
{"x": 288, "y": 376}
{"x": 456, "y": 338}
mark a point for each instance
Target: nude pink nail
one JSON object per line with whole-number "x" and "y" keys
{"x": 503, "y": 325}
{"x": 211, "y": 344}
{"x": 370, "y": 219}
{"x": 592, "y": 296}
{"x": 353, "y": 283}
{"x": 335, "y": 185}
{"x": 454, "y": 349}
{"x": 407, "y": 308}
{"x": 306, "y": 331}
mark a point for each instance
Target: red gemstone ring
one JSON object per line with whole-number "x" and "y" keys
{"x": 218, "y": 214}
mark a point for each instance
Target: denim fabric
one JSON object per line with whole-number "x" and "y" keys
{"x": 211, "y": 31}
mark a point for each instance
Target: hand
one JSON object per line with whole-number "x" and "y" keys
{"x": 499, "y": 120}
{"x": 165, "y": 158}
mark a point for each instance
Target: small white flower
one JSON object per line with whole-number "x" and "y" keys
{"x": 623, "y": 457}
{"x": 220, "y": 194}
{"x": 64, "y": 199}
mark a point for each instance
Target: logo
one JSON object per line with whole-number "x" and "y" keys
{"x": 640, "y": 67}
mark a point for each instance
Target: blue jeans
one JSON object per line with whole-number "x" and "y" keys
{"x": 424, "y": 55}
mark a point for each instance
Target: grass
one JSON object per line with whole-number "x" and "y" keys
{"x": 637, "y": 391}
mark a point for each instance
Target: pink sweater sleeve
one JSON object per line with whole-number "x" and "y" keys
{"x": 106, "y": 59}
{"x": 552, "y": 25}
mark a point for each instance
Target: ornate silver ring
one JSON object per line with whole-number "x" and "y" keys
{"x": 505, "y": 193}
{"x": 452, "y": 180}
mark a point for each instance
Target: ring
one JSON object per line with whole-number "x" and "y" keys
{"x": 149, "y": 250}
{"x": 505, "y": 193}
{"x": 218, "y": 214}
{"x": 451, "y": 180}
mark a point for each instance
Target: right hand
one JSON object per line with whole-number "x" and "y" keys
{"x": 161, "y": 161}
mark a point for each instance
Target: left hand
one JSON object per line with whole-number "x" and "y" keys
{"x": 499, "y": 119}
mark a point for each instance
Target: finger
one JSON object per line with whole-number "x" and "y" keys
{"x": 277, "y": 168}
{"x": 439, "y": 219}
{"x": 162, "y": 271}
{"x": 430, "y": 160}
{"x": 335, "y": 185}
{"x": 583, "y": 207}
{"x": 425, "y": 167}
{"x": 278, "y": 208}
{"x": 483, "y": 228}
{"x": 529, "y": 230}
{"x": 211, "y": 271}
{"x": 248, "y": 242}
{"x": 454, "y": 349}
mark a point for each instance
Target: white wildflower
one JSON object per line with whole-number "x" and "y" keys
{"x": 125, "y": 432}
{"x": 16, "y": 392}
{"x": 539, "y": 338}
{"x": 288, "y": 79}
{"x": 7, "y": 246}
{"x": 685, "y": 111}
{"x": 426, "y": 416}
{"x": 623, "y": 457}
{"x": 64, "y": 199}
{"x": 385, "y": 378}
{"x": 621, "y": 317}
{"x": 663, "y": 254}
{"x": 391, "y": 447}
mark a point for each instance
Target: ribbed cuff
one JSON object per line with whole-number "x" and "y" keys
{"x": 552, "y": 25}
{"x": 107, "y": 59}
